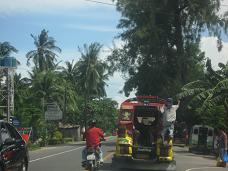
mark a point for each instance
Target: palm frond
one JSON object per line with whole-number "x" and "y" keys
{"x": 190, "y": 92}
{"x": 221, "y": 86}
{"x": 201, "y": 97}
{"x": 195, "y": 84}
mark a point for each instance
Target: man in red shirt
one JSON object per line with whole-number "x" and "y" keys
{"x": 93, "y": 136}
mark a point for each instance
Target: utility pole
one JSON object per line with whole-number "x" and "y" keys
{"x": 8, "y": 94}
{"x": 65, "y": 102}
{"x": 7, "y": 91}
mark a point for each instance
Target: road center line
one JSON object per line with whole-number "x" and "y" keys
{"x": 57, "y": 154}
{"x": 108, "y": 155}
{"x": 198, "y": 168}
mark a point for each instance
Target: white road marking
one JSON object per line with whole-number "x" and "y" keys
{"x": 202, "y": 168}
{"x": 57, "y": 154}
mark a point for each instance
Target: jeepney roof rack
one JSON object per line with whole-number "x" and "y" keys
{"x": 146, "y": 99}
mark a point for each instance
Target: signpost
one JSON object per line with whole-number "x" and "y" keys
{"x": 53, "y": 112}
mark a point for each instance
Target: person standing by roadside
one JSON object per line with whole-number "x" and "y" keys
{"x": 222, "y": 145}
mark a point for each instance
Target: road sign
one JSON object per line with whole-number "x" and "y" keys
{"x": 53, "y": 112}
{"x": 16, "y": 122}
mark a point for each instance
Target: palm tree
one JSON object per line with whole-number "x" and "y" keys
{"x": 68, "y": 72}
{"x": 49, "y": 86}
{"x": 6, "y": 49}
{"x": 91, "y": 71}
{"x": 44, "y": 56}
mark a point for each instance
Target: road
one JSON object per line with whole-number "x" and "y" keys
{"x": 68, "y": 158}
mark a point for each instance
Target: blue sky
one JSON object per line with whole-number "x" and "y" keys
{"x": 73, "y": 23}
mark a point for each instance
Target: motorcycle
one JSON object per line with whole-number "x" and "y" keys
{"x": 92, "y": 159}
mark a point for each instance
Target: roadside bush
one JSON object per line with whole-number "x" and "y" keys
{"x": 57, "y": 138}
{"x": 33, "y": 146}
{"x": 58, "y": 135}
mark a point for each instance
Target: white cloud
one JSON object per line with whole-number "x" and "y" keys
{"x": 116, "y": 84}
{"x": 209, "y": 45}
{"x": 224, "y": 6}
{"x": 98, "y": 28}
{"x": 14, "y": 6}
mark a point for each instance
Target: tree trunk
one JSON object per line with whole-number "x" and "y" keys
{"x": 180, "y": 43}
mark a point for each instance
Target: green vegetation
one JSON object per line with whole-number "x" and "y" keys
{"x": 78, "y": 88}
{"x": 209, "y": 96}
{"x": 161, "y": 54}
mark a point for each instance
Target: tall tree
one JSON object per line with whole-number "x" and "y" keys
{"x": 68, "y": 72}
{"x": 44, "y": 56}
{"x": 91, "y": 71}
{"x": 6, "y": 49}
{"x": 161, "y": 49}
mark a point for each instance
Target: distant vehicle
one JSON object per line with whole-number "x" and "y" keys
{"x": 201, "y": 139}
{"x": 13, "y": 149}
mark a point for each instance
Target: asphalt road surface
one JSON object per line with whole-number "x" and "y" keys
{"x": 68, "y": 158}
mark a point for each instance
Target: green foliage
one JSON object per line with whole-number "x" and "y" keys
{"x": 33, "y": 147}
{"x": 6, "y": 49}
{"x": 72, "y": 88}
{"x": 44, "y": 56}
{"x": 161, "y": 43}
{"x": 208, "y": 97}
{"x": 104, "y": 111}
{"x": 91, "y": 71}
{"x": 58, "y": 135}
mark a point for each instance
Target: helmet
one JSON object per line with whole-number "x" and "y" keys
{"x": 93, "y": 122}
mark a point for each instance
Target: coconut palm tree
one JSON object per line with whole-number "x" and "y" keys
{"x": 91, "y": 71}
{"x": 90, "y": 75}
{"x": 68, "y": 72}
{"x": 44, "y": 56}
{"x": 6, "y": 49}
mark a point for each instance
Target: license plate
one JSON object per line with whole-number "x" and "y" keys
{"x": 91, "y": 157}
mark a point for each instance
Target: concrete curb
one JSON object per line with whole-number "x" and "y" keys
{"x": 180, "y": 145}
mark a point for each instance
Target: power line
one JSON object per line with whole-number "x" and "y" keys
{"x": 105, "y": 3}
{"x": 99, "y": 2}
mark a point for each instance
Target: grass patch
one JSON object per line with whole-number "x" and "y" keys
{"x": 32, "y": 147}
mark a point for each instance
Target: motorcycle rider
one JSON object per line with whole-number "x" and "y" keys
{"x": 93, "y": 136}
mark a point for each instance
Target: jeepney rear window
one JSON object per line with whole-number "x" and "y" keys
{"x": 210, "y": 132}
{"x": 125, "y": 115}
{"x": 196, "y": 131}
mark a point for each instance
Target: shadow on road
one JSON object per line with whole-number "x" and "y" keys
{"x": 106, "y": 167}
{"x": 108, "y": 144}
